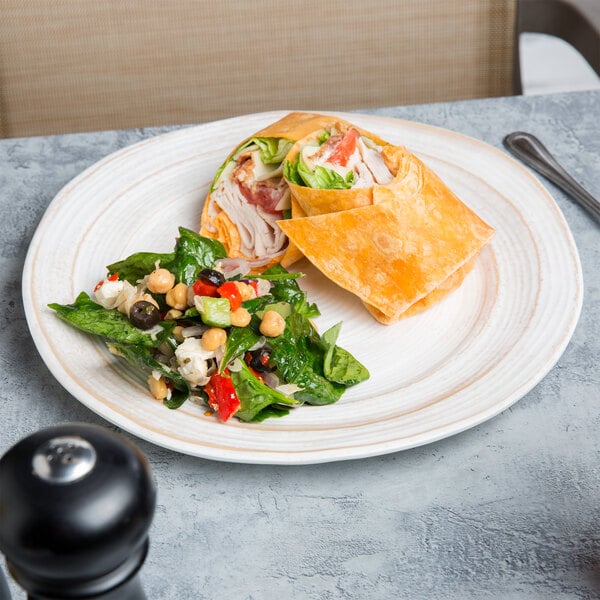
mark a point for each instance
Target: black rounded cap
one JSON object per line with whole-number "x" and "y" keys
{"x": 76, "y": 503}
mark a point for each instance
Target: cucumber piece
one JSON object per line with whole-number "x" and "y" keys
{"x": 214, "y": 311}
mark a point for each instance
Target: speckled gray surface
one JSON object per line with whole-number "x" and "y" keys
{"x": 509, "y": 510}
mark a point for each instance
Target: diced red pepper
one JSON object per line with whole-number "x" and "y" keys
{"x": 222, "y": 397}
{"x": 113, "y": 277}
{"x": 230, "y": 291}
{"x": 254, "y": 284}
{"x": 344, "y": 149}
{"x": 202, "y": 288}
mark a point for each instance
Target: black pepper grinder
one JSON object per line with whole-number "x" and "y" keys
{"x": 76, "y": 503}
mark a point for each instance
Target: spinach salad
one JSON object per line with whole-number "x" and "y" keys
{"x": 200, "y": 327}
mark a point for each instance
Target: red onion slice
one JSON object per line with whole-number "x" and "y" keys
{"x": 232, "y": 267}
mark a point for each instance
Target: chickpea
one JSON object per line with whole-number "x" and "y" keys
{"x": 177, "y": 297}
{"x": 246, "y": 291}
{"x": 272, "y": 324}
{"x": 160, "y": 281}
{"x": 213, "y": 338}
{"x": 240, "y": 317}
{"x": 158, "y": 387}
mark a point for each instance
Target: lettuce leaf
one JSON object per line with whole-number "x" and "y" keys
{"x": 272, "y": 151}
{"x": 320, "y": 178}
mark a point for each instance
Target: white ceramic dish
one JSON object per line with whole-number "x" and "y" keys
{"x": 433, "y": 375}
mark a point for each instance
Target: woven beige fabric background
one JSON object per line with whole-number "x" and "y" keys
{"x": 107, "y": 64}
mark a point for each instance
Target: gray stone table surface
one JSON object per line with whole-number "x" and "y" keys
{"x": 507, "y": 510}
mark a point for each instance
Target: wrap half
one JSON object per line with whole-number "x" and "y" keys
{"x": 249, "y": 195}
{"x": 404, "y": 251}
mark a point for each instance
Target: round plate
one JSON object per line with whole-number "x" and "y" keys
{"x": 433, "y": 375}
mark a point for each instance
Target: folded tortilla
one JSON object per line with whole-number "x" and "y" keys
{"x": 450, "y": 284}
{"x": 242, "y": 214}
{"x": 406, "y": 250}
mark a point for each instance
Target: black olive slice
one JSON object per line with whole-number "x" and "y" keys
{"x": 144, "y": 315}
{"x": 211, "y": 276}
{"x": 259, "y": 360}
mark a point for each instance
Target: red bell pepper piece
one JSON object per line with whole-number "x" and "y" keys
{"x": 230, "y": 291}
{"x": 203, "y": 288}
{"x": 222, "y": 397}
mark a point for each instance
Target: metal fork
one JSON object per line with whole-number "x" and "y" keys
{"x": 533, "y": 153}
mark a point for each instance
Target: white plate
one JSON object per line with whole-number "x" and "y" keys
{"x": 433, "y": 375}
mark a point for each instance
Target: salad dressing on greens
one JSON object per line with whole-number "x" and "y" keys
{"x": 199, "y": 326}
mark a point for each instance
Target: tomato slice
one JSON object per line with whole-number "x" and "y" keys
{"x": 202, "y": 288}
{"x": 222, "y": 397}
{"x": 230, "y": 291}
{"x": 344, "y": 149}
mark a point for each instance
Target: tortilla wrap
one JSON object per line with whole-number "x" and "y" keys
{"x": 402, "y": 253}
{"x": 245, "y": 230}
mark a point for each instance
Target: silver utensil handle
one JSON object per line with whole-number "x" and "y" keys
{"x": 532, "y": 152}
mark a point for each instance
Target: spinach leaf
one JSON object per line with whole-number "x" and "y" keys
{"x": 272, "y": 411}
{"x": 255, "y": 304}
{"x": 338, "y": 364}
{"x": 143, "y": 359}
{"x": 255, "y": 396}
{"x": 305, "y": 308}
{"x": 91, "y": 317}
{"x": 298, "y": 354}
{"x": 192, "y": 253}
{"x": 138, "y": 265}
{"x": 239, "y": 340}
{"x": 286, "y": 289}
{"x": 276, "y": 273}
{"x": 317, "y": 390}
